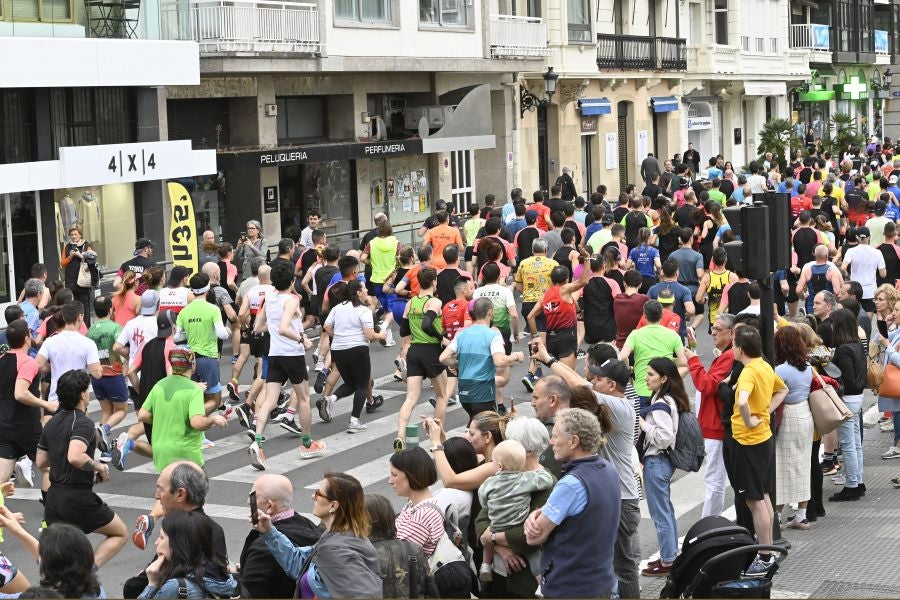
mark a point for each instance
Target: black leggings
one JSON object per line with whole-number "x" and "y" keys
{"x": 355, "y": 368}
{"x": 84, "y": 295}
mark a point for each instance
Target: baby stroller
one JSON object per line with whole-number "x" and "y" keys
{"x": 713, "y": 557}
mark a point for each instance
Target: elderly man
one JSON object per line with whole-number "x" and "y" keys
{"x": 261, "y": 576}
{"x": 824, "y": 304}
{"x": 575, "y": 564}
{"x": 707, "y": 383}
{"x": 181, "y": 486}
{"x": 551, "y": 394}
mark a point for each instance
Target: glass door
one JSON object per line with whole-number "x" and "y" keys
{"x": 20, "y": 241}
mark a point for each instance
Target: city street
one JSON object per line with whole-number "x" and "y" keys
{"x": 836, "y": 558}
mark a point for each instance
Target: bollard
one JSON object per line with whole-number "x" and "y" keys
{"x": 412, "y": 436}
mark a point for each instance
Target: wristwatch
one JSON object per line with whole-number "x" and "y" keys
{"x": 550, "y": 362}
{"x": 438, "y": 448}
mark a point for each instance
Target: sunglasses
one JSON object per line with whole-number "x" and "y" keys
{"x": 319, "y": 494}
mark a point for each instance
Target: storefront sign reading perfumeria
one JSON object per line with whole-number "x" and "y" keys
{"x": 320, "y": 153}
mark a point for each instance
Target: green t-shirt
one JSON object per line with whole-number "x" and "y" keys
{"x": 717, "y": 196}
{"x": 647, "y": 343}
{"x": 198, "y": 321}
{"x": 471, "y": 228}
{"x": 600, "y": 239}
{"x": 416, "y": 315}
{"x": 172, "y": 402}
{"x": 104, "y": 333}
{"x": 383, "y": 256}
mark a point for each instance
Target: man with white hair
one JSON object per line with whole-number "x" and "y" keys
{"x": 567, "y": 188}
{"x": 261, "y": 575}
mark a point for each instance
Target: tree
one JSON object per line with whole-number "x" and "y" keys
{"x": 778, "y": 137}
{"x": 844, "y": 133}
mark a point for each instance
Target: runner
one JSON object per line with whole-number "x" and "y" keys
{"x": 175, "y": 295}
{"x": 532, "y": 280}
{"x": 137, "y": 332}
{"x": 505, "y": 319}
{"x": 423, "y": 316}
{"x": 282, "y": 317}
{"x": 257, "y": 343}
{"x": 558, "y": 306}
{"x": 67, "y": 445}
{"x": 110, "y": 390}
{"x": 454, "y": 317}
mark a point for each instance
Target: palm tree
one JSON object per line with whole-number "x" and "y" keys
{"x": 778, "y": 137}
{"x": 843, "y": 133}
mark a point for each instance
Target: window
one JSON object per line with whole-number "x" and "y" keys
{"x": 450, "y": 13}
{"x": 720, "y": 8}
{"x": 301, "y": 118}
{"x": 579, "y": 21}
{"x": 363, "y": 10}
{"x": 48, "y": 11}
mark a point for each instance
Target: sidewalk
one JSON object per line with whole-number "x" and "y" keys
{"x": 850, "y": 553}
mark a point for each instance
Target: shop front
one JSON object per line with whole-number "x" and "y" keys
{"x": 105, "y": 190}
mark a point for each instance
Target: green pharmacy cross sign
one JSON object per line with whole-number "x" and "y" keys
{"x": 854, "y": 89}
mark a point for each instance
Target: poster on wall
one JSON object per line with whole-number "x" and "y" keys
{"x": 642, "y": 150}
{"x": 406, "y": 187}
{"x": 391, "y": 191}
{"x": 612, "y": 157}
{"x": 378, "y": 191}
{"x": 422, "y": 202}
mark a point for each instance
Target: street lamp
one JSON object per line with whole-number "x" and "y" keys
{"x": 528, "y": 101}
{"x": 888, "y": 78}
{"x": 882, "y": 82}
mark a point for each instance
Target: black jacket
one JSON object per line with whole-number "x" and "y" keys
{"x": 261, "y": 576}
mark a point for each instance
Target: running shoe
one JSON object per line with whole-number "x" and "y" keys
{"x": 454, "y": 399}
{"x": 24, "y": 472}
{"x": 143, "y": 527}
{"x": 377, "y": 328}
{"x": 251, "y": 433}
{"x": 887, "y": 426}
{"x": 233, "y": 392}
{"x": 284, "y": 398}
{"x": 319, "y": 364}
{"x": 389, "y": 340}
{"x": 400, "y": 363}
{"x": 326, "y": 406}
{"x": 244, "y": 415}
{"x": 319, "y": 385}
{"x": 759, "y": 567}
{"x": 234, "y": 358}
{"x": 581, "y": 354}
{"x": 529, "y": 381}
{"x": 120, "y": 451}
{"x": 501, "y": 410}
{"x": 102, "y": 439}
{"x": 355, "y": 426}
{"x": 376, "y": 403}
{"x": 207, "y": 444}
{"x": 290, "y": 425}
{"x": 894, "y": 452}
{"x": 399, "y": 444}
{"x": 106, "y": 457}
{"x": 316, "y": 449}
{"x": 257, "y": 456}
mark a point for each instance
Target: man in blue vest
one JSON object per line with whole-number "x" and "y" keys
{"x": 586, "y": 498}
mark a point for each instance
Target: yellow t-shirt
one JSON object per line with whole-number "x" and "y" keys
{"x": 837, "y": 193}
{"x": 534, "y": 275}
{"x": 760, "y": 380}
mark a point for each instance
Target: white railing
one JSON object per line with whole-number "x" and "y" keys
{"x": 244, "y": 25}
{"x": 810, "y": 36}
{"x": 518, "y": 37}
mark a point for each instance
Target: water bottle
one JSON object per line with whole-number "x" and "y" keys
{"x": 412, "y": 436}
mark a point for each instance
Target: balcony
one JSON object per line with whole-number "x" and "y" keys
{"x": 714, "y": 58}
{"x": 815, "y": 38}
{"x": 518, "y": 37}
{"x": 246, "y": 26}
{"x": 641, "y": 53}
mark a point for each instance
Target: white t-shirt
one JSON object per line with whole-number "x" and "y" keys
{"x": 348, "y": 322}
{"x": 137, "y": 332}
{"x": 500, "y": 295}
{"x": 866, "y": 261}
{"x": 67, "y": 351}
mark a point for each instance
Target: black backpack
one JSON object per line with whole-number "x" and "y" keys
{"x": 688, "y": 451}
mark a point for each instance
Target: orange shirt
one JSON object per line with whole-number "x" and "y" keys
{"x": 440, "y": 237}
{"x": 543, "y": 220}
{"x": 669, "y": 319}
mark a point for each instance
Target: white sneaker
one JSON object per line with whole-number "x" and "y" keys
{"x": 257, "y": 457}
{"x": 887, "y": 426}
{"x": 389, "y": 340}
{"x": 208, "y": 443}
{"x": 355, "y": 426}
{"x": 24, "y": 473}
{"x": 894, "y": 452}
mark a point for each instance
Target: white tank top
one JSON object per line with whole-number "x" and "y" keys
{"x": 257, "y": 294}
{"x": 173, "y": 299}
{"x": 278, "y": 344}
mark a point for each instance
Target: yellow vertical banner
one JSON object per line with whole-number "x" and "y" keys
{"x": 182, "y": 228}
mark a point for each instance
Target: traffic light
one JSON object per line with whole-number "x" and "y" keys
{"x": 779, "y": 228}
{"x": 751, "y": 254}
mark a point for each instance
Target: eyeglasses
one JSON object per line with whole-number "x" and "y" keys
{"x": 320, "y": 494}
{"x": 252, "y": 227}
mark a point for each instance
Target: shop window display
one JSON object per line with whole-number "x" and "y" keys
{"x": 105, "y": 215}
{"x": 324, "y": 187}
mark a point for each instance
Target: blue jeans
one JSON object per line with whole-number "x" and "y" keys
{"x": 851, "y": 444}
{"x": 895, "y": 416}
{"x": 658, "y": 472}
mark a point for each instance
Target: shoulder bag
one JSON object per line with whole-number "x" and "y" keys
{"x": 827, "y": 408}
{"x": 874, "y": 368}
{"x": 890, "y": 383}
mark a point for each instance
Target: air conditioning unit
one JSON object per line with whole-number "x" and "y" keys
{"x": 437, "y": 116}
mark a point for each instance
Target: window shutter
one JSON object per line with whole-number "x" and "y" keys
{"x": 24, "y": 9}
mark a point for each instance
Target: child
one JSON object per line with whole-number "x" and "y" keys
{"x": 507, "y": 497}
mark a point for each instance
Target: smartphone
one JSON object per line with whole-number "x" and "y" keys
{"x": 243, "y": 234}
{"x": 254, "y": 518}
{"x": 883, "y": 328}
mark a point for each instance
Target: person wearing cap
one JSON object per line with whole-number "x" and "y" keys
{"x": 876, "y": 224}
{"x": 176, "y": 295}
{"x": 110, "y": 389}
{"x": 865, "y": 262}
{"x": 670, "y": 318}
{"x": 143, "y": 250}
{"x": 138, "y": 331}
{"x": 200, "y": 326}
{"x": 152, "y": 362}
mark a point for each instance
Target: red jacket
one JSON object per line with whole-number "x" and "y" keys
{"x": 707, "y": 383}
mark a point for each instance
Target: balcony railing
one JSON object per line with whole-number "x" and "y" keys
{"x": 636, "y": 52}
{"x": 518, "y": 37}
{"x": 810, "y": 36}
{"x": 244, "y": 26}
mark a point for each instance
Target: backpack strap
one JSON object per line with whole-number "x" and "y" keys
{"x": 660, "y": 405}
{"x": 182, "y": 588}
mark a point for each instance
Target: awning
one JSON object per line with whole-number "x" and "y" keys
{"x": 663, "y": 104}
{"x": 595, "y": 106}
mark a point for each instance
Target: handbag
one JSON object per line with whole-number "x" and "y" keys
{"x": 827, "y": 408}
{"x": 84, "y": 276}
{"x": 874, "y": 370}
{"x": 890, "y": 383}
